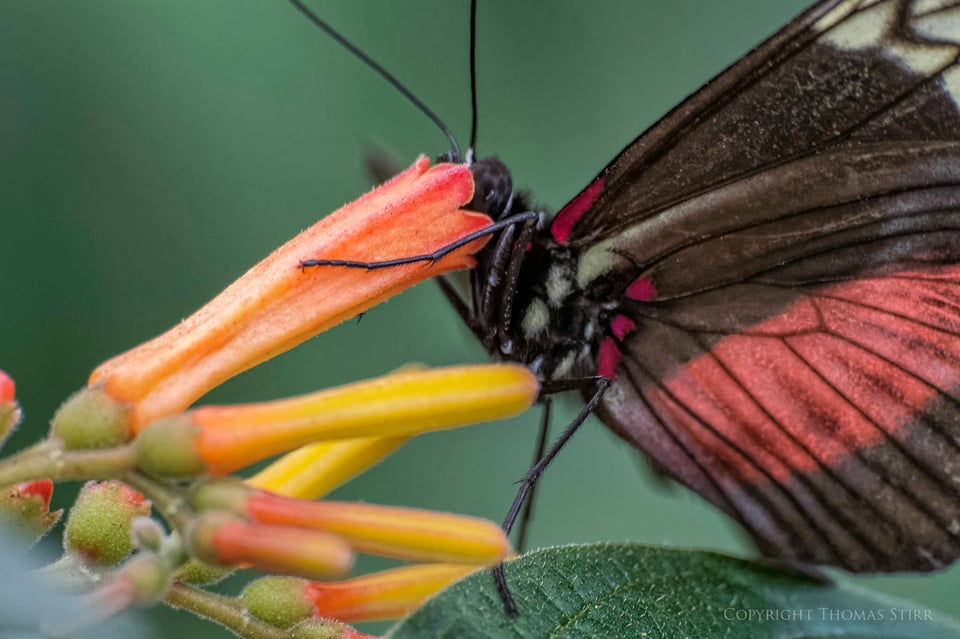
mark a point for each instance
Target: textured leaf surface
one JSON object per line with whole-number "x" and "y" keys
{"x": 626, "y": 591}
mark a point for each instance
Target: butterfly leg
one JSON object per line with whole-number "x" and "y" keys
{"x": 506, "y": 222}
{"x": 508, "y": 291}
{"x": 538, "y": 454}
{"x": 495, "y": 307}
{"x": 600, "y": 385}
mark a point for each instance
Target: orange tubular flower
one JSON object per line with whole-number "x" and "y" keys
{"x": 224, "y": 540}
{"x": 277, "y": 305}
{"x": 402, "y": 533}
{"x": 389, "y": 531}
{"x": 388, "y": 594}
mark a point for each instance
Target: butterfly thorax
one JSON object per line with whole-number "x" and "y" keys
{"x": 545, "y": 319}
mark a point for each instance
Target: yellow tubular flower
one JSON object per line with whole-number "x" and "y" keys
{"x": 217, "y": 440}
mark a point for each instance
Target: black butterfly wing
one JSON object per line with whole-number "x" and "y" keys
{"x": 785, "y": 251}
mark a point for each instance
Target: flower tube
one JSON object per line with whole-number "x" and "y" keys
{"x": 401, "y": 533}
{"x": 312, "y": 471}
{"x": 278, "y": 304}
{"x": 217, "y": 440}
{"x": 388, "y": 594}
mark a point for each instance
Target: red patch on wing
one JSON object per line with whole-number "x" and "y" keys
{"x": 642, "y": 290}
{"x": 621, "y": 325}
{"x": 569, "y": 215}
{"x": 844, "y": 370}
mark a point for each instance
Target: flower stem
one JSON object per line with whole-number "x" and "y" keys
{"x": 223, "y": 610}
{"x": 49, "y": 460}
{"x": 166, "y": 500}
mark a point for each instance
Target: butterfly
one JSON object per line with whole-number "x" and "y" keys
{"x": 769, "y": 278}
{"x": 762, "y": 291}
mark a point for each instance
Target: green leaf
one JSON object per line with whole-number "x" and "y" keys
{"x": 623, "y": 591}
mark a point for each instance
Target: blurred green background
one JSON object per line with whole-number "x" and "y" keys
{"x": 150, "y": 152}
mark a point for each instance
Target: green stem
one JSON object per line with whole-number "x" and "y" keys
{"x": 223, "y": 610}
{"x": 49, "y": 460}
{"x": 166, "y": 500}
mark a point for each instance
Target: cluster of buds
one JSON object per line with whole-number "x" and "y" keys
{"x": 133, "y": 429}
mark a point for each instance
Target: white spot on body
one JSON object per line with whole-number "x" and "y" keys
{"x": 588, "y": 330}
{"x": 559, "y": 285}
{"x": 565, "y": 365}
{"x": 596, "y": 261}
{"x": 535, "y": 319}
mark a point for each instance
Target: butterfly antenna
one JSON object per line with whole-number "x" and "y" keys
{"x": 473, "y": 76}
{"x": 386, "y": 75}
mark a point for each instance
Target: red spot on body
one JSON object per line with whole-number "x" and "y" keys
{"x": 608, "y": 357}
{"x": 569, "y": 215}
{"x": 621, "y": 325}
{"x": 642, "y": 290}
{"x": 825, "y": 379}
{"x": 8, "y": 389}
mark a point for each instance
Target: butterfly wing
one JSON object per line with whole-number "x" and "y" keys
{"x": 785, "y": 249}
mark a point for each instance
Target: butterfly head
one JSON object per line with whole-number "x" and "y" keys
{"x": 493, "y": 188}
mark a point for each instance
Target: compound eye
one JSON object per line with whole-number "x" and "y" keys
{"x": 493, "y": 187}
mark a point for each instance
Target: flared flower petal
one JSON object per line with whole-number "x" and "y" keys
{"x": 219, "y": 439}
{"x": 277, "y": 304}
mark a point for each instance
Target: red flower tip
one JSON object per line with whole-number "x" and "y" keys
{"x": 99, "y": 524}
{"x": 42, "y": 488}
{"x": 8, "y": 389}
{"x": 26, "y": 507}
{"x": 10, "y": 412}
